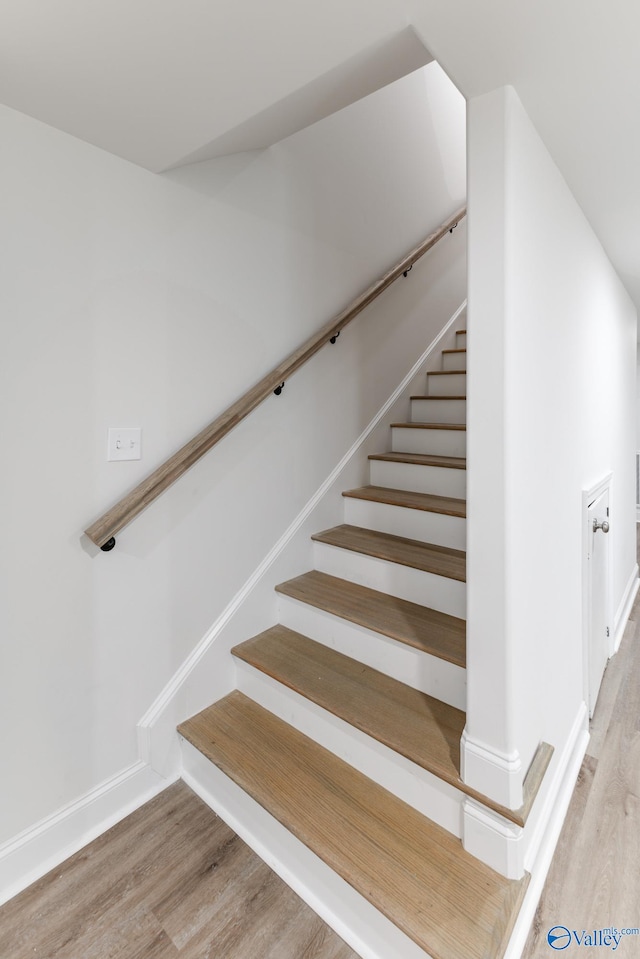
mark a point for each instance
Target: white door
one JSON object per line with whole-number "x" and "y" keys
{"x": 598, "y": 606}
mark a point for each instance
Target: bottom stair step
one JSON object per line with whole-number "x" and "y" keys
{"x": 411, "y": 870}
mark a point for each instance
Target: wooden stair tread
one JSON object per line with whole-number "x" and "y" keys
{"x": 445, "y": 372}
{"x": 410, "y": 869}
{"x": 410, "y": 499}
{"x": 440, "y": 560}
{"x": 424, "y": 396}
{"x": 422, "y": 459}
{"x": 428, "y": 630}
{"x": 429, "y": 426}
{"x": 423, "y": 729}
{"x": 459, "y": 349}
{"x": 419, "y": 727}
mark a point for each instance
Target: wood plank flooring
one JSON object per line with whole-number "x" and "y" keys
{"x": 594, "y": 880}
{"x": 416, "y": 873}
{"x": 171, "y": 881}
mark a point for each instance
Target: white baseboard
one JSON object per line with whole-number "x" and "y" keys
{"x": 366, "y": 930}
{"x": 491, "y": 772}
{"x": 37, "y": 850}
{"x": 492, "y": 839}
{"x": 624, "y": 609}
{"x": 151, "y": 725}
{"x": 541, "y": 847}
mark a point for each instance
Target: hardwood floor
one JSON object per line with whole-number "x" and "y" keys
{"x": 594, "y": 880}
{"x": 171, "y": 881}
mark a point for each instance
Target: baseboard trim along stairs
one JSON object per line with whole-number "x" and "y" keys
{"x": 343, "y": 735}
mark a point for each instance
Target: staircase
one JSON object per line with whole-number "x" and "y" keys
{"x": 347, "y": 720}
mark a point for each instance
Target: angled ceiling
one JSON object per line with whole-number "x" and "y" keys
{"x": 157, "y": 81}
{"x": 162, "y": 84}
{"x": 575, "y": 66}
{"x": 360, "y": 75}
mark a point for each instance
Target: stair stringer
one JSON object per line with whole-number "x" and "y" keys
{"x": 208, "y": 673}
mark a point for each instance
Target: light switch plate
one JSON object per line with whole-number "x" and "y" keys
{"x": 124, "y": 443}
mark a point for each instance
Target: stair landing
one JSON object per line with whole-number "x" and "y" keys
{"x": 413, "y": 871}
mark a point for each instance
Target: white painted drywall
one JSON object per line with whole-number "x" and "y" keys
{"x": 160, "y": 82}
{"x": 638, "y": 401}
{"x": 577, "y": 73}
{"x": 131, "y": 299}
{"x": 552, "y": 355}
{"x": 153, "y": 82}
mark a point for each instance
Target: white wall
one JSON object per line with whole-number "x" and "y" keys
{"x": 155, "y": 81}
{"x": 638, "y": 401}
{"x": 552, "y": 354}
{"x": 131, "y": 299}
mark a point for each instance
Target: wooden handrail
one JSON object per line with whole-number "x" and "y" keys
{"x": 103, "y": 531}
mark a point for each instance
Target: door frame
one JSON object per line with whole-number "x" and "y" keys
{"x": 588, "y": 497}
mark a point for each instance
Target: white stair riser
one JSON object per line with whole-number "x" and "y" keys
{"x": 454, "y": 361}
{"x": 434, "y": 410}
{"x": 461, "y": 341}
{"x": 436, "y": 528}
{"x": 453, "y": 384}
{"x": 431, "y": 675}
{"x": 439, "y": 480}
{"x": 415, "y": 585}
{"x": 439, "y": 801}
{"x": 437, "y": 442}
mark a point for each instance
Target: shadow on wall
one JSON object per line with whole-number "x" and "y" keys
{"x": 356, "y": 78}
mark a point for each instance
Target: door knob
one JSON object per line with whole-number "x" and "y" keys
{"x": 604, "y": 526}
